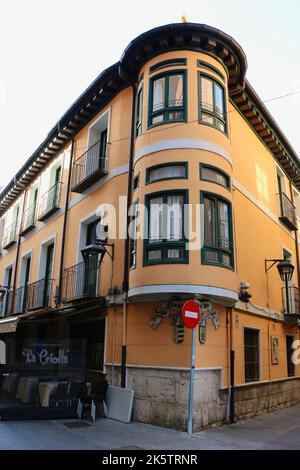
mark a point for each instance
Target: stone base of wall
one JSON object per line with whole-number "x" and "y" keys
{"x": 161, "y": 397}
{"x": 259, "y": 399}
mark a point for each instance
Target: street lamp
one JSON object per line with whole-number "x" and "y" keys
{"x": 286, "y": 270}
{"x": 98, "y": 247}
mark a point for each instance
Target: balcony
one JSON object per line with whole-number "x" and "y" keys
{"x": 5, "y": 304}
{"x": 287, "y": 212}
{"x": 10, "y": 236}
{"x": 294, "y": 303}
{"x": 88, "y": 168}
{"x": 31, "y": 297}
{"x": 50, "y": 202}
{"x": 28, "y": 220}
{"x": 80, "y": 282}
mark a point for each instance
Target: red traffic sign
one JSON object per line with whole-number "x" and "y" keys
{"x": 190, "y": 314}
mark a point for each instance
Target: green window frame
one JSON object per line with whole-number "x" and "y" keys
{"x": 183, "y": 165}
{"x": 167, "y": 110}
{"x": 217, "y": 249}
{"x": 139, "y": 110}
{"x": 212, "y": 112}
{"x": 132, "y": 243}
{"x": 218, "y": 173}
{"x": 136, "y": 182}
{"x": 165, "y": 249}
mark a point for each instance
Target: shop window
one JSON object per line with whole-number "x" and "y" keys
{"x": 214, "y": 175}
{"x": 212, "y": 108}
{"x": 166, "y": 171}
{"x": 289, "y": 355}
{"x": 251, "y": 351}
{"x": 166, "y": 241}
{"x": 217, "y": 245}
{"x": 167, "y": 98}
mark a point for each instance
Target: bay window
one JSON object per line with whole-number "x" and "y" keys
{"x": 166, "y": 171}
{"x": 212, "y": 110}
{"x": 217, "y": 221}
{"x": 165, "y": 242}
{"x": 167, "y": 98}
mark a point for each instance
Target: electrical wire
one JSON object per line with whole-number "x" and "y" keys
{"x": 196, "y": 120}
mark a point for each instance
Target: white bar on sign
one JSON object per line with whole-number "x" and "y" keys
{"x": 189, "y": 314}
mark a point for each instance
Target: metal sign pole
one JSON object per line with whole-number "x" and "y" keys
{"x": 192, "y": 382}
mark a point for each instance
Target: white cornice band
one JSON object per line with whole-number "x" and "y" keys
{"x": 174, "y": 144}
{"x": 224, "y": 296}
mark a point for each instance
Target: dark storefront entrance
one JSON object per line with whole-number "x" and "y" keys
{"x": 50, "y": 361}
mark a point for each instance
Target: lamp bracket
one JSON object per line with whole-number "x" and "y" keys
{"x": 273, "y": 261}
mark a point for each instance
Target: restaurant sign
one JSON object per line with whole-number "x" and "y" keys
{"x": 44, "y": 357}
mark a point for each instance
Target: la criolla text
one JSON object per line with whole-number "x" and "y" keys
{"x": 150, "y": 459}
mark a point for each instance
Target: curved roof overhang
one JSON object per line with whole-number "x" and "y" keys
{"x": 178, "y": 36}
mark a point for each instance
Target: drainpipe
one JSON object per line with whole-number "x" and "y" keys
{"x": 296, "y": 240}
{"x": 232, "y": 362}
{"x": 17, "y": 257}
{"x": 63, "y": 239}
{"x": 126, "y": 248}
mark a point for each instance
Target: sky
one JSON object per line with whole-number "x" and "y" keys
{"x": 51, "y": 50}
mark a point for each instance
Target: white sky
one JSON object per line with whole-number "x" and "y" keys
{"x": 51, "y": 50}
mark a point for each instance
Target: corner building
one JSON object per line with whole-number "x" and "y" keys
{"x": 174, "y": 122}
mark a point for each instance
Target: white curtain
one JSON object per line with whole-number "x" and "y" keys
{"x": 224, "y": 225}
{"x": 174, "y": 218}
{"x": 158, "y": 94}
{"x": 175, "y": 90}
{"x": 156, "y": 220}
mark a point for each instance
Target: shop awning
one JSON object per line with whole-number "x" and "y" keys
{"x": 9, "y": 324}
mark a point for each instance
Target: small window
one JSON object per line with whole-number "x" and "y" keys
{"x": 166, "y": 241}
{"x": 251, "y": 351}
{"x": 167, "y": 98}
{"x": 139, "y": 110}
{"x": 132, "y": 261}
{"x": 214, "y": 175}
{"x": 289, "y": 355}
{"x": 167, "y": 171}
{"x": 218, "y": 245}
{"x": 136, "y": 181}
{"x": 212, "y": 109}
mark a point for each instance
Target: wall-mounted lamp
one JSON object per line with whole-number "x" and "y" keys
{"x": 98, "y": 247}
{"x": 286, "y": 270}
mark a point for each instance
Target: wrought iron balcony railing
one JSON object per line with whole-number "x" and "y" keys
{"x": 88, "y": 168}
{"x": 287, "y": 212}
{"x": 10, "y": 236}
{"x": 5, "y": 304}
{"x": 294, "y": 300}
{"x": 30, "y": 297}
{"x": 81, "y": 281}
{"x": 28, "y": 219}
{"x": 39, "y": 294}
{"x": 50, "y": 202}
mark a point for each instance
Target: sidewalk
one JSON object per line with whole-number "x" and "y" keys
{"x": 280, "y": 430}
